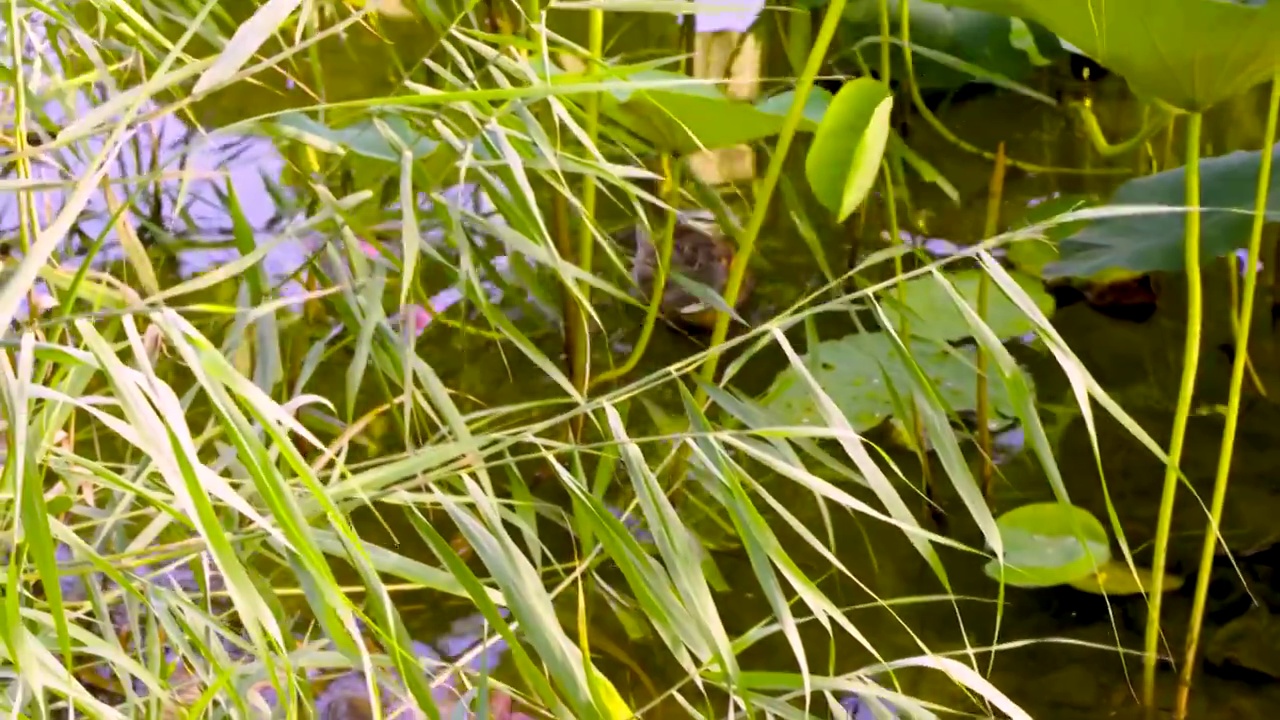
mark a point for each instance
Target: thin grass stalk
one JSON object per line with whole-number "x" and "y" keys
{"x": 995, "y": 196}
{"x": 1274, "y": 289}
{"x": 26, "y": 208}
{"x": 886, "y": 72}
{"x": 1190, "y": 363}
{"x": 915, "y": 423}
{"x": 1166, "y": 155}
{"x": 919, "y": 439}
{"x": 580, "y": 370}
{"x": 799, "y": 37}
{"x": 1233, "y": 316}
{"x": 1233, "y": 409}
{"x": 917, "y": 102}
{"x": 575, "y": 321}
{"x": 747, "y": 239}
{"x": 665, "y": 246}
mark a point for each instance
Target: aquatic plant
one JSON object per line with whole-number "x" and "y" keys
{"x": 300, "y": 362}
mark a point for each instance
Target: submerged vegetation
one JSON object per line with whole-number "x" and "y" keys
{"x": 639, "y": 359}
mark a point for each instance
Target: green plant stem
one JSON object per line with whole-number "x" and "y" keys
{"x": 915, "y": 423}
{"x": 914, "y": 420}
{"x": 665, "y": 245}
{"x": 1190, "y": 364}
{"x": 574, "y": 320}
{"x": 1093, "y": 131}
{"x": 917, "y": 101}
{"x": 1233, "y": 285}
{"x": 747, "y": 240}
{"x": 799, "y": 37}
{"x": 1166, "y": 156}
{"x": 886, "y": 70}
{"x": 586, "y": 236}
{"x": 995, "y": 196}
{"x": 1233, "y": 409}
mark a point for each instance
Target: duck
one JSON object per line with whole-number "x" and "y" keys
{"x": 1129, "y": 298}
{"x": 700, "y": 252}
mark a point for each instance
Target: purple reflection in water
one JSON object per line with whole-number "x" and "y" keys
{"x": 633, "y": 523}
{"x": 860, "y": 709}
{"x": 736, "y": 15}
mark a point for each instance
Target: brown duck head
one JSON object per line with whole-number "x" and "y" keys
{"x": 700, "y": 254}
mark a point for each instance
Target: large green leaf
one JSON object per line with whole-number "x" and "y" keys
{"x": 815, "y": 108}
{"x": 687, "y": 116}
{"x": 853, "y": 371}
{"x": 1150, "y": 242}
{"x": 1191, "y": 54}
{"x": 931, "y": 313}
{"x": 848, "y": 146}
{"x": 1047, "y": 544}
{"x": 363, "y": 138}
{"x": 981, "y": 39}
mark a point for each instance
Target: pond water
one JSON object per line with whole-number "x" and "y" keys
{"x": 1054, "y": 677}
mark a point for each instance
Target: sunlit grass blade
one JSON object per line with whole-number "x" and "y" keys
{"x": 853, "y": 446}
{"x": 175, "y": 457}
{"x": 679, "y": 548}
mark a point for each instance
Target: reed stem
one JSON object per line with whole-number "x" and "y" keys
{"x": 577, "y": 325}
{"x": 1233, "y": 408}
{"x": 995, "y": 197}
{"x": 747, "y": 239}
{"x": 1190, "y": 364}
{"x": 665, "y": 245}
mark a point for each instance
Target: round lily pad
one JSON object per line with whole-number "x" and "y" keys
{"x": 1115, "y": 578}
{"x": 1048, "y": 544}
{"x": 857, "y": 371}
{"x": 931, "y": 312}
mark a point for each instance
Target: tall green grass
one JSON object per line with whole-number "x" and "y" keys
{"x": 323, "y": 474}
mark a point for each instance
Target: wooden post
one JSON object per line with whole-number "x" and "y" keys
{"x": 736, "y": 57}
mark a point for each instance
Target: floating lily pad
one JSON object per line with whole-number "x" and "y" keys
{"x": 1191, "y": 54}
{"x": 853, "y": 371}
{"x": 932, "y": 313}
{"x": 1154, "y": 242}
{"x": 1047, "y": 544}
{"x": 1115, "y": 578}
{"x": 1249, "y": 642}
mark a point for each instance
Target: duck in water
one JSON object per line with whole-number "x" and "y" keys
{"x": 700, "y": 254}
{"x": 347, "y": 698}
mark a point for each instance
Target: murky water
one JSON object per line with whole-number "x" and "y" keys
{"x": 1138, "y": 363}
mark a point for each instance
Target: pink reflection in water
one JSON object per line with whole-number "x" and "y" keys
{"x": 417, "y": 317}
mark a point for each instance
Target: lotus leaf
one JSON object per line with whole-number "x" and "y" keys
{"x": 1051, "y": 543}
{"x": 1115, "y": 578}
{"x": 1191, "y": 54}
{"x": 930, "y": 311}
{"x": 1143, "y": 243}
{"x": 857, "y": 370}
